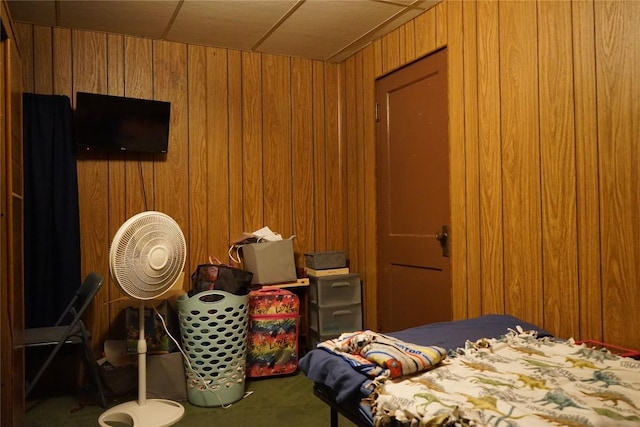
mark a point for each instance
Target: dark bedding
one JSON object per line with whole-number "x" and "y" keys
{"x": 452, "y": 335}
{"x": 349, "y": 386}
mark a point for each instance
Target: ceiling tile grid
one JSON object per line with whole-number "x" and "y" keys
{"x": 329, "y": 30}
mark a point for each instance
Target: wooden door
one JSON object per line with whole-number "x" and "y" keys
{"x": 412, "y": 170}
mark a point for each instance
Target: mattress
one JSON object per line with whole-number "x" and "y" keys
{"x": 499, "y": 371}
{"x": 347, "y": 387}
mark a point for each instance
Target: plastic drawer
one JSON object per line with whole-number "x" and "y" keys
{"x": 335, "y": 319}
{"x": 335, "y": 290}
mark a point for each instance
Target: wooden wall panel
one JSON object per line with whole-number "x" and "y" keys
{"x": 6, "y": 350}
{"x": 489, "y": 154}
{"x": 319, "y": 158}
{"x": 369, "y": 268}
{"x": 407, "y": 42}
{"x": 24, "y": 37}
{"x": 471, "y": 149}
{"x": 520, "y": 160}
{"x": 61, "y": 67}
{"x": 302, "y": 156}
{"x": 335, "y": 157}
{"x": 236, "y": 170}
{"x": 276, "y": 142}
{"x": 253, "y": 192}
{"x": 215, "y": 193}
{"x": 391, "y": 51}
{"x": 170, "y": 171}
{"x": 442, "y": 22}
{"x": 42, "y": 59}
{"x": 351, "y": 138}
{"x": 357, "y": 246}
{"x": 457, "y": 161}
{"x": 425, "y": 32}
{"x": 588, "y": 201}
{"x": 199, "y": 199}
{"x": 12, "y": 353}
{"x": 558, "y": 169}
{"x": 617, "y": 73}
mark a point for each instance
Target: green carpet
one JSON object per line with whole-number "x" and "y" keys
{"x": 284, "y": 401}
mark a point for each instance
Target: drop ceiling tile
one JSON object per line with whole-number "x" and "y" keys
{"x": 235, "y": 24}
{"x": 138, "y": 18}
{"x": 319, "y": 28}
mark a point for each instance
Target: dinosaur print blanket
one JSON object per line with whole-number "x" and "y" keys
{"x": 516, "y": 380}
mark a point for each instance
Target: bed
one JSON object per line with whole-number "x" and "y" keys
{"x": 495, "y": 370}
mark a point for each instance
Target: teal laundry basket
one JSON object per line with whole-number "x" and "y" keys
{"x": 213, "y": 329}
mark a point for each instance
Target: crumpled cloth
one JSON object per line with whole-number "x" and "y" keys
{"x": 375, "y": 354}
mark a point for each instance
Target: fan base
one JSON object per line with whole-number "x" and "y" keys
{"x": 155, "y": 413}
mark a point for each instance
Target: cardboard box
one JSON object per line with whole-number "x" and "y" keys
{"x": 325, "y": 260}
{"x": 158, "y": 342}
{"x": 270, "y": 262}
{"x": 165, "y": 377}
{"x": 165, "y": 372}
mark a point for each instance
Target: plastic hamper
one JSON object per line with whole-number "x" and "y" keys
{"x": 213, "y": 328}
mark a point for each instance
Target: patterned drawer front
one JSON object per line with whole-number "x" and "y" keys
{"x": 334, "y": 320}
{"x": 335, "y": 290}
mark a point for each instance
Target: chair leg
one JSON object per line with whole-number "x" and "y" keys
{"x": 92, "y": 368}
{"x": 43, "y": 368}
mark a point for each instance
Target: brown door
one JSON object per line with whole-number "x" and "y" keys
{"x": 413, "y": 195}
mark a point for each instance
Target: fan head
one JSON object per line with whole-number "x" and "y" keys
{"x": 147, "y": 255}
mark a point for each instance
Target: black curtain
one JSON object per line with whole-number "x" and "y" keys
{"x": 51, "y": 225}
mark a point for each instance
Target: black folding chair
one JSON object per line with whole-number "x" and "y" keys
{"x": 69, "y": 329}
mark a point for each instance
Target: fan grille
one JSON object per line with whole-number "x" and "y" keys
{"x": 147, "y": 255}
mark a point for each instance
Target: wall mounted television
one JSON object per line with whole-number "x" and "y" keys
{"x": 115, "y": 123}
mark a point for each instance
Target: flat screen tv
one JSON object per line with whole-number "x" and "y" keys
{"x": 116, "y": 123}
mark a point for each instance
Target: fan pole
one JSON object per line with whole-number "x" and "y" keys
{"x": 142, "y": 358}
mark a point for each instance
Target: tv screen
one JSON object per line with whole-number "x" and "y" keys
{"x": 116, "y": 123}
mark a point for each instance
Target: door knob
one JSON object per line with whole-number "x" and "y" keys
{"x": 442, "y": 236}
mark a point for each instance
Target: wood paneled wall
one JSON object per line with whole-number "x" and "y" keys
{"x": 543, "y": 142}
{"x": 545, "y": 155}
{"x": 254, "y": 141}
{"x": 11, "y": 228}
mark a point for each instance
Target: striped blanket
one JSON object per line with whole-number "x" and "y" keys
{"x": 378, "y": 355}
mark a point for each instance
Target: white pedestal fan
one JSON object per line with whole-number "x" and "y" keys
{"x": 146, "y": 258}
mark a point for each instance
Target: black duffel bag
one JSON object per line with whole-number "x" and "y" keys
{"x": 220, "y": 277}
